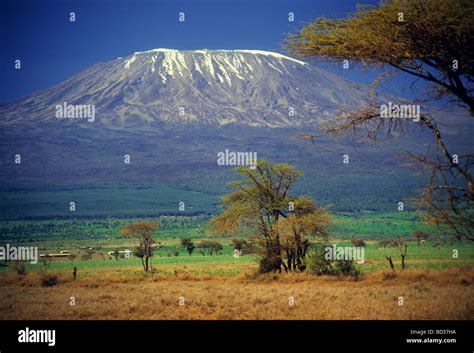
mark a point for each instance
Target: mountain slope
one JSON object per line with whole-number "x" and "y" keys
{"x": 230, "y": 99}
{"x": 218, "y": 87}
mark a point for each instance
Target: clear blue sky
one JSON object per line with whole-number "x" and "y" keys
{"x": 52, "y": 49}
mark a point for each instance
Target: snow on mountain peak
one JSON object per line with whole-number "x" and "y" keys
{"x": 222, "y": 65}
{"x": 247, "y": 87}
{"x": 216, "y": 51}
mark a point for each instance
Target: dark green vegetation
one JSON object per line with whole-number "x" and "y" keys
{"x": 93, "y": 228}
{"x": 181, "y": 166}
{"x": 104, "y": 202}
{"x": 368, "y": 225}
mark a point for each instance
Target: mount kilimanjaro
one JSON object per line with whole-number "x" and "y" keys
{"x": 172, "y": 112}
{"x": 215, "y": 87}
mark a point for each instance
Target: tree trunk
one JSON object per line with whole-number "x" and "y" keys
{"x": 289, "y": 263}
{"x": 403, "y": 256}
{"x": 278, "y": 266}
{"x": 389, "y": 259}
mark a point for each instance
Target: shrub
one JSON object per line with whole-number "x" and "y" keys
{"x": 188, "y": 245}
{"x": 358, "y": 242}
{"x": 347, "y": 268}
{"x": 19, "y": 267}
{"x": 239, "y": 244}
{"x": 318, "y": 265}
{"x": 268, "y": 264}
{"x": 217, "y": 247}
{"x": 387, "y": 243}
{"x": 389, "y": 275}
{"x": 48, "y": 280}
{"x": 209, "y": 246}
{"x": 420, "y": 236}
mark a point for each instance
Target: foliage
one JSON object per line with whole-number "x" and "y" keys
{"x": 358, "y": 242}
{"x": 188, "y": 245}
{"x": 262, "y": 206}
{"x": 318, "y": 265}
{"x": 210, "y": 247}
{"x": 143, "y": 230}
{"x": 239, "y": 244}
{"x": 430, "y": 41}
{"x": 421, "y": 236}
{"x": 49, "y": 280}
{"x": 19, "y": 267}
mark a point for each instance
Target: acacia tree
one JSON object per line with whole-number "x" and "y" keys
{"x": 188, "y": 245}
{"x": 307, "y": 220}
{"x": 260, "y": 200}
{"x": 420, "y": 236}
{"x": 143, "y": 230}
{"x": 431, "y": 41}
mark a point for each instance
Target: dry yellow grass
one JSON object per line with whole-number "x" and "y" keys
{"x": 114, "y": 295}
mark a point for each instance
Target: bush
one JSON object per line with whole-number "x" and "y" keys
{"x": 387, "y": 243}
{"x": 188, "y": 245}
{"x": 19, "y": 267}
{"x": 389, "y": 275}
{"x": 268, "y": 264}
{"x": 209, "y": 246}
{"x": 173, "y": 252}
{"x": 347, "y": 268}
{"x": 420, "y": 236}
{"x": 48, "y": 280}
{"x": 239, "y": 244}
{"x": 318, "y": 265}
{"x": 358, "y": 242}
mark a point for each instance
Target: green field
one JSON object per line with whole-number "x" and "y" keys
{"x": 379, "y": 225}
{"x": 367, "y": 225}
{"x": 101, "y": 235}
{"x": 424, "y": 256}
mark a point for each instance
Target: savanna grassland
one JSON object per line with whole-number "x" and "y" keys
{"x": 119, "y": 294}
{"x": 435, "y": 285}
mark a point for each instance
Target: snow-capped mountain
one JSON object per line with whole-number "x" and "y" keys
{"x": 218, "y": 87}
{"x": 170, "y": 113}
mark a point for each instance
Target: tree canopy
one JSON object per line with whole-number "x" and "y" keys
{"x": 278, "y": 222}
{"x": 143, "y": 230}
{"x": 431, "y": 40}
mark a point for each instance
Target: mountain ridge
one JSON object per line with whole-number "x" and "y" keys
{"x": 217, "y": 87}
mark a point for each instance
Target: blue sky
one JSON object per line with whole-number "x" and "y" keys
{"x": 53, "y": 49}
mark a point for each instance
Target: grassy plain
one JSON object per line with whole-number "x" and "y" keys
{"x": 114, "y": 294}
{"x": 435, "y": 285}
